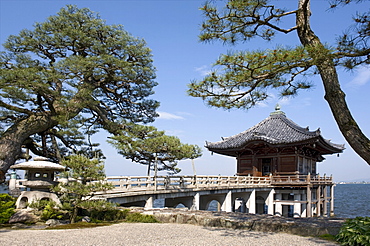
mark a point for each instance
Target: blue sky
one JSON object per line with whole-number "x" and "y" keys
{"x": 171, "y": 29}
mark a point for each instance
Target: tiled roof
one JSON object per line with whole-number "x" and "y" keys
{"x": 277, "y": 129}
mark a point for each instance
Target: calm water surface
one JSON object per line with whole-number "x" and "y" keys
{"x": 352, "y": 200}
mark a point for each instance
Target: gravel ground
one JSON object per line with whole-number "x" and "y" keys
{"x": 152, "y": 234}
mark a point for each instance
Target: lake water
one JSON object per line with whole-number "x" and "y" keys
{"x": 352, "y": 200}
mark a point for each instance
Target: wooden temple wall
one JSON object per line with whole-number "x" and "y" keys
{"x": 256, "y": 165}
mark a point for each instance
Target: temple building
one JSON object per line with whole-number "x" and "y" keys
{"x": 287, "y": 153}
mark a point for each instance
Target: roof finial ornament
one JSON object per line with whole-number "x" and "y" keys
{"x": 277, "y": 110}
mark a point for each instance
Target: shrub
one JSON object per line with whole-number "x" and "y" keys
{"x": 138, "y": 217}
{"x": 39, "y": 204}
{"x": 355, "y": 232}
{"x": 111, "y": 214}
{"x": 7, "y": 206}
{"x": 49, "y": 210}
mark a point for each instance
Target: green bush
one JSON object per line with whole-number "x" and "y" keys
{"x": 355, "y": 232}
{"x": 7, "y": 206}
{"x": 53, "y": 212}
{"x": 138, "y": 217}
{"x": 39, "y": 204}
{"x": 49, "y": 210}
{"x": 111, "y": 214}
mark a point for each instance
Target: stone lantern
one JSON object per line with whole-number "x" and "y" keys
{"x": 39, "y": 178}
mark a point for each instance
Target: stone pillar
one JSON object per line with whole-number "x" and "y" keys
{"x": 227, "y": 204}
{"x": 325, "y": 204}
{"x": 196, "y": 202}
{"x": 318, "y": 199}
{"x": 251, "y": 203}
{"x": 297, "y": 205}
{"x": 278, "y": 207}
{"x": 270, "y": 202}
{"x": 149, "y": 203}
{"x": 304, "y": 205}
{"x": 332, "y": 200}
{"x": 309, "y": 202}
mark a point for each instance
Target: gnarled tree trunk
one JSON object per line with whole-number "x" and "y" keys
{"x": 333, "y": 93}
{"x": 11, "y": 141}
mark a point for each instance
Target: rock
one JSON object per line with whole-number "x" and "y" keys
{"x": 264, "y": 223}
{"x": 23, "y": 216}
{"x": 52, "y": 222}
{"x": 86, "y": 219}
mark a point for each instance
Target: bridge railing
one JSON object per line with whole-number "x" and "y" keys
{"x": 132, "y": 183}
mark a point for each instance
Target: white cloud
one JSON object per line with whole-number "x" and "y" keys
{"x": 362, "y": 77}
{"x": 203, "y": 70}
{"x": 169, "y": 116}
{"x": 284, "y": 101}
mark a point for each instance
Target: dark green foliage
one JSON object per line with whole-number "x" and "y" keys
{"x": 140, "y": 218}
{"x": 328, "y": 237}
{"x": 114, "y": 214}
{"x": 355, "y": 232}
{"x": 148, "y": 146}
{"x": 7, "y": 206}
{"x": 109, "y": 214}
{"x": 87, "y": 178}
{"x": 49, "y": 210}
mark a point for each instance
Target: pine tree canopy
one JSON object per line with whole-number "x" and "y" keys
{"x": 67, "y": 78}
{"x": 242, "y": 79}
{"x": 148, "y": 146}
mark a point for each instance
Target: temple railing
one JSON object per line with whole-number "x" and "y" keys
{"x": 297, "y": 179}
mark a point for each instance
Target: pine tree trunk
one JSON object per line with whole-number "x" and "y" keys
{"x": 74, "y": 214}
{"x": 333, "y": 93}
{"x": 148, "y": 171}
{"x": 12, "y": 139}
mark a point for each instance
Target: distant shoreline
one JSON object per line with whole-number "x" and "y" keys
{"x": 361, "y": 182}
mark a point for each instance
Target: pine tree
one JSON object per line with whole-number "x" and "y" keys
{"x": 148, "y": 146}
{"x": 85, "y": 177}
{"x": 67, "y": 78}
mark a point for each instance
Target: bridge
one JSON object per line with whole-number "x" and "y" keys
{"x": 287, "y": 195}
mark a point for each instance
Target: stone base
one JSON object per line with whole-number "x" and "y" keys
{"x": 27, "y": 197}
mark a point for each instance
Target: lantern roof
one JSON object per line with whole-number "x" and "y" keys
{"x": 39, "y": 163}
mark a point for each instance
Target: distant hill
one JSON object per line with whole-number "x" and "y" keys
{"x": 363, "y": 180}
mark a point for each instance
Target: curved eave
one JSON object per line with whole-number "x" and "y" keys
{"x": 324, "y": 147}
{"x": 327, "y": 147}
